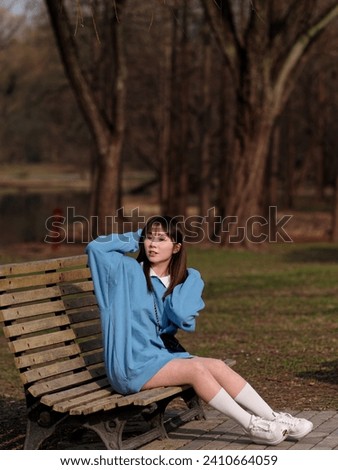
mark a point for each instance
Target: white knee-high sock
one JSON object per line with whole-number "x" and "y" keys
{"x": 223, "y": 402}
{"x": 252, "y": 401}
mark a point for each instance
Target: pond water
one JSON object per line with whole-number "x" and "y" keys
{"x": 25, "y": 217}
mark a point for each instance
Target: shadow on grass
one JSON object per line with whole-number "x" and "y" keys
{"x": 320, "y": 254}
{"x": 327, "y": 372}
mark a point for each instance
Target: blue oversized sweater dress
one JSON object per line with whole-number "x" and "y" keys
{"x": 133, "y": 349}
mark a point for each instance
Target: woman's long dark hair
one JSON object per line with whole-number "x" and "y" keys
{"x": 178, "y": 262}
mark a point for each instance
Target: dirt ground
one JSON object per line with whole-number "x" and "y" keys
{"x": 13, "y": 423}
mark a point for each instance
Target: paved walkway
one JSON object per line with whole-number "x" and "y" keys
{"x": 218, "y": 432}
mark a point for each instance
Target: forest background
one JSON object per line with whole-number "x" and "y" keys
{"x": 220, "y": 109}
{"x": 112, "y": 110}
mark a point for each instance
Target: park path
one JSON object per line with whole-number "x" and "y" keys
{"x": 218, "y": 432}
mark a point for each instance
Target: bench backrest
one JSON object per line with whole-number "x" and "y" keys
{"x": 51, "y": 321}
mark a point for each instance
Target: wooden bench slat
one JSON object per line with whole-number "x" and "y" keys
{"x": 52, "y": 370}
{"x": 36, "y": 309}
{"x": 158, "y": 394}
{"x": 48, "y": 355}
{"x": 94, "y": 358}
{"x": 149, "y": 396}
{"x": 77, "y": 287}
{"x": 53, "y": 398}
{"x": 84, "y": 331}
{"x": 53, "y": 385}
{"x": 139, "y": 399}
{"x": 42, "y": 265}
{"x": 87, "y": 314}
{"x": 33, "y": 326}
{"x": 81, "y": 301}
{"x": 41, "y": 341}
{"x": 91, "y": 344}
{"x": 11, "y": 283}
{"x": 32, "y": 310}
{"x": 84, "y": 400}
{"x": 24, "y": 297}
{"x": 34, "y": 295}
{"x": 103, "y": 404}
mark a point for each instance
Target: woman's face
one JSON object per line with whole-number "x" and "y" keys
{"x": 159, "y": 247}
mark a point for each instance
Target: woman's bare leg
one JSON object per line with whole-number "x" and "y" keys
{"x": 228, "y": 379}
{"x": 206, "y": 376}
{"x": 211, "y": 379}
{"x": 199, "y": 374}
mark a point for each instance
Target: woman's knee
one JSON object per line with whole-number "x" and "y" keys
{"x": 199, "y": 367}
{"x": 219, "y": 369}
{"x": 214, "y": 364}
{"x": 221, "y": 365}
{"x": 202, "y": 368}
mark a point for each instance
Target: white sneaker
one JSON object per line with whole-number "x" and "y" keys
{"x": 296, "y": 427}
{"x": 263, "y": 431}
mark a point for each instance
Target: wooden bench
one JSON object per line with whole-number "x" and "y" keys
{"x": 51, "y": 321}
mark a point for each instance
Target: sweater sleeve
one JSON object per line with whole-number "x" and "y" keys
{"x": 105, "y": 254}
{"x": 184, "y": 303}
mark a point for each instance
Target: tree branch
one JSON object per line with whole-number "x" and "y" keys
{"x": 297, "y": 52}
{"x": 222, "y": 24}
{"x": 78, "y": 80}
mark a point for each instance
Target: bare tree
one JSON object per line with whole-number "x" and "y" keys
{"x": 168, "y": 75}
{"x": 104, "y": 117}
{"x": 265, "y": 45}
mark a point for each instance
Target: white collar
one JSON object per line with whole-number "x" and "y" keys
{"x": 165, "y": 279}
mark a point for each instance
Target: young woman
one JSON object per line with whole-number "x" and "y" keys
{"x": 140, "y": 300}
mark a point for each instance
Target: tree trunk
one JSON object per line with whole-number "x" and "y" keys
{"x": 291, "y": 151}
{"x": 174, "y": 148}
{"x": 263, "y": 68}
{"x": 245, "y": 186}
{"x": 321, "y": 121}
{"x": 182, "y": 166}
{"x": 204, "y": 190}
{"x": 107, "y": 130}
{"x": 272, "y": 178}
{"x": 166, "y": 134}
{"x": 335, "y": 212}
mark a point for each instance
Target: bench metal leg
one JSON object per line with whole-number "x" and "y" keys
{"x": 39, "y": 428}
{"x": 194, "y": 403}
{"x": 109, "y": 430}
{"x": 36, "y": 435}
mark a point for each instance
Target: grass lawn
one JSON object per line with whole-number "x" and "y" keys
{"x": 275, "y": 311}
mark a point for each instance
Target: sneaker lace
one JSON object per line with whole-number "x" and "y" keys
{"x": 259, "y": 424}
{"x": 288, "y": 419}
